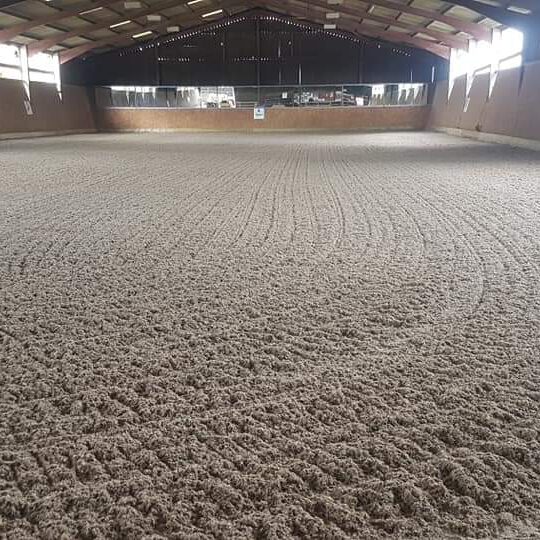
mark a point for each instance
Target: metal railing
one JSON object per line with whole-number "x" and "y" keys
{"x": 244, "y": 97}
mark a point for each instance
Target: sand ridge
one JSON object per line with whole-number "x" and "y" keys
{"x": 272, "y": 336}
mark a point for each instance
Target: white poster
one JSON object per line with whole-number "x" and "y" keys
{"x": 258, "y": 113}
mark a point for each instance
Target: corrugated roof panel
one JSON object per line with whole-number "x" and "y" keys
{"x": 75, "y": 23}
{"x": 75, "y": 41}
{"x": 398, "y": 29}
{"x": 426, "y": 37}
{"x": 103, "y": 33}
{"x": 413, "y": 20}
{"x": 42, "y": 32}
{"x": 432, "y": 5}
{"x": 441, "y": 27}
{"x": 464, "y": 13}
{"x": 7, "y": 20}
{"x": 384, "y": 12}
{"x": 32, "y": 9}
{"x": 373, "y": 24}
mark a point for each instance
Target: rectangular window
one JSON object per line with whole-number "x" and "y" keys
{"x": 503, "y": 52}
{"x": 10, "y": 63}
{"x": 42, "y": 67}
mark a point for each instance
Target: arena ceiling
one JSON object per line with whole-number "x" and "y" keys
{"x": 80, "y": 27}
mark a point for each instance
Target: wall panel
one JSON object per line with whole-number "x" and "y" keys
{"x": 50, "y": 114}
{"x": 276, "y": 119}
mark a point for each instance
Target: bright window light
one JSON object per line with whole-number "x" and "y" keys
{"x": 504, "y": 52}
{"x": 10, "y": 66}
{"x": 41, "y": 62}
{"x": 42, "y": 67}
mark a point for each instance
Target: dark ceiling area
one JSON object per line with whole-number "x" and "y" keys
{"x": 257, "y": 48}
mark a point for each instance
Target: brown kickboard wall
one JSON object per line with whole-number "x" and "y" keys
{"x": 512, "y": 109}
{"x": 50, "y": 114}
{"x": 276, "y": 119}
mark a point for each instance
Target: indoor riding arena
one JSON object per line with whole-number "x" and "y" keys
{"x": 269, "y": 269}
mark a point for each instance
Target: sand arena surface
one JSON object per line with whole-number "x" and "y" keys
{"x": 270, "y": 337}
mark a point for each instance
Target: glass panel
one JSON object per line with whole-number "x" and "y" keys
{"x": 249, "y": 97}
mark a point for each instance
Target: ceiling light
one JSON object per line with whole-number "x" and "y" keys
{"x": 153, "y": 18}
{"x": 329, "y": 26}
{"x": 132, "y": 5}
{"x": 116, "y": 25}
{"x": 173, "y": 29}
{"x": 90, "y": 11}
{"x": 192, "y": 2}
{"x": 520, "y": 10}
{"x": 332, "y": 15}
{"x": 142, "y": 34}
{"x": 216, "y": 12}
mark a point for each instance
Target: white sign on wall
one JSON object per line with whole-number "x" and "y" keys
{"x": 258, "y": 113}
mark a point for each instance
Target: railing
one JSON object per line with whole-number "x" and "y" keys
{"x": 244, "y": 97}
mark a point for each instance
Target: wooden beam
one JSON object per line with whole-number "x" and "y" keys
{"x": 359, "y": 29}
{"x": 473, "y": 29}
{"x": 358, "y": 14}
{"x": 499, "y": 14}
{"x": 9, "y": 3}
{"x": 193, "y": 20}
{"x": 44, "y": 44}
{"x": 531, "y": 5}
{"x": 9, "y": 33}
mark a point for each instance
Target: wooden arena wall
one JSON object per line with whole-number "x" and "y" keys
{"x": 277, "y": 119}
{"x": 51, "y": 115}
{"x": 511, "y": 111}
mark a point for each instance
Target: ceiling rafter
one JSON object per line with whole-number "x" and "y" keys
{"x": 473, "y": 29}
{"x": 510, "y": 18}
{"x": 398, "y": 26}
{"x": 358, "y": 14}
{"x": 362, "y": 30}
{"x": 9, "y": 33}
{"x": 192, "y": 19}
{"x": 44, "y": 44}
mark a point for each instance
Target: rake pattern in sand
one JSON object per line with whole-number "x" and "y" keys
{"x": 228, "y": 336}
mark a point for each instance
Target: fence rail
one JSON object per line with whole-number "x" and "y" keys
{"x": 248, "y": 97}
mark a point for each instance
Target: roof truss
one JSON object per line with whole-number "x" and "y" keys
{"x": 367, "y": 20}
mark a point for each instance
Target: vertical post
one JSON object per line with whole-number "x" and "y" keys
{"x": 359, "y": 64}
{"x": 258, "y": 61}
{"x": 25, "y": 77}
{"x": 224, "y": 70}
{"x": 494, "y": 67}
{"x": 57, "y": 76}
{"x": 300, "y": 83}
{"x": 280, "y": 81}
{"x": 156, "y": 60}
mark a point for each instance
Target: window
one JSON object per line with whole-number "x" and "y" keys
{"x": 42, "y": 67}
{"x": 503, "y": 52}
{"x": 10, "y": 63}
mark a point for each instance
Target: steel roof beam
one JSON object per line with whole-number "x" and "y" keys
{"x": 359, "y": 29}
{"x": 193, "y": 19}
{"x": 359, "y": 14}
{"x": 44, "y": 44}
{"x": 9, "y": 33}
{"x": 500, "y": 14}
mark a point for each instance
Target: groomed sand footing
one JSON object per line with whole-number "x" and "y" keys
{"x": 272, "y": 336}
